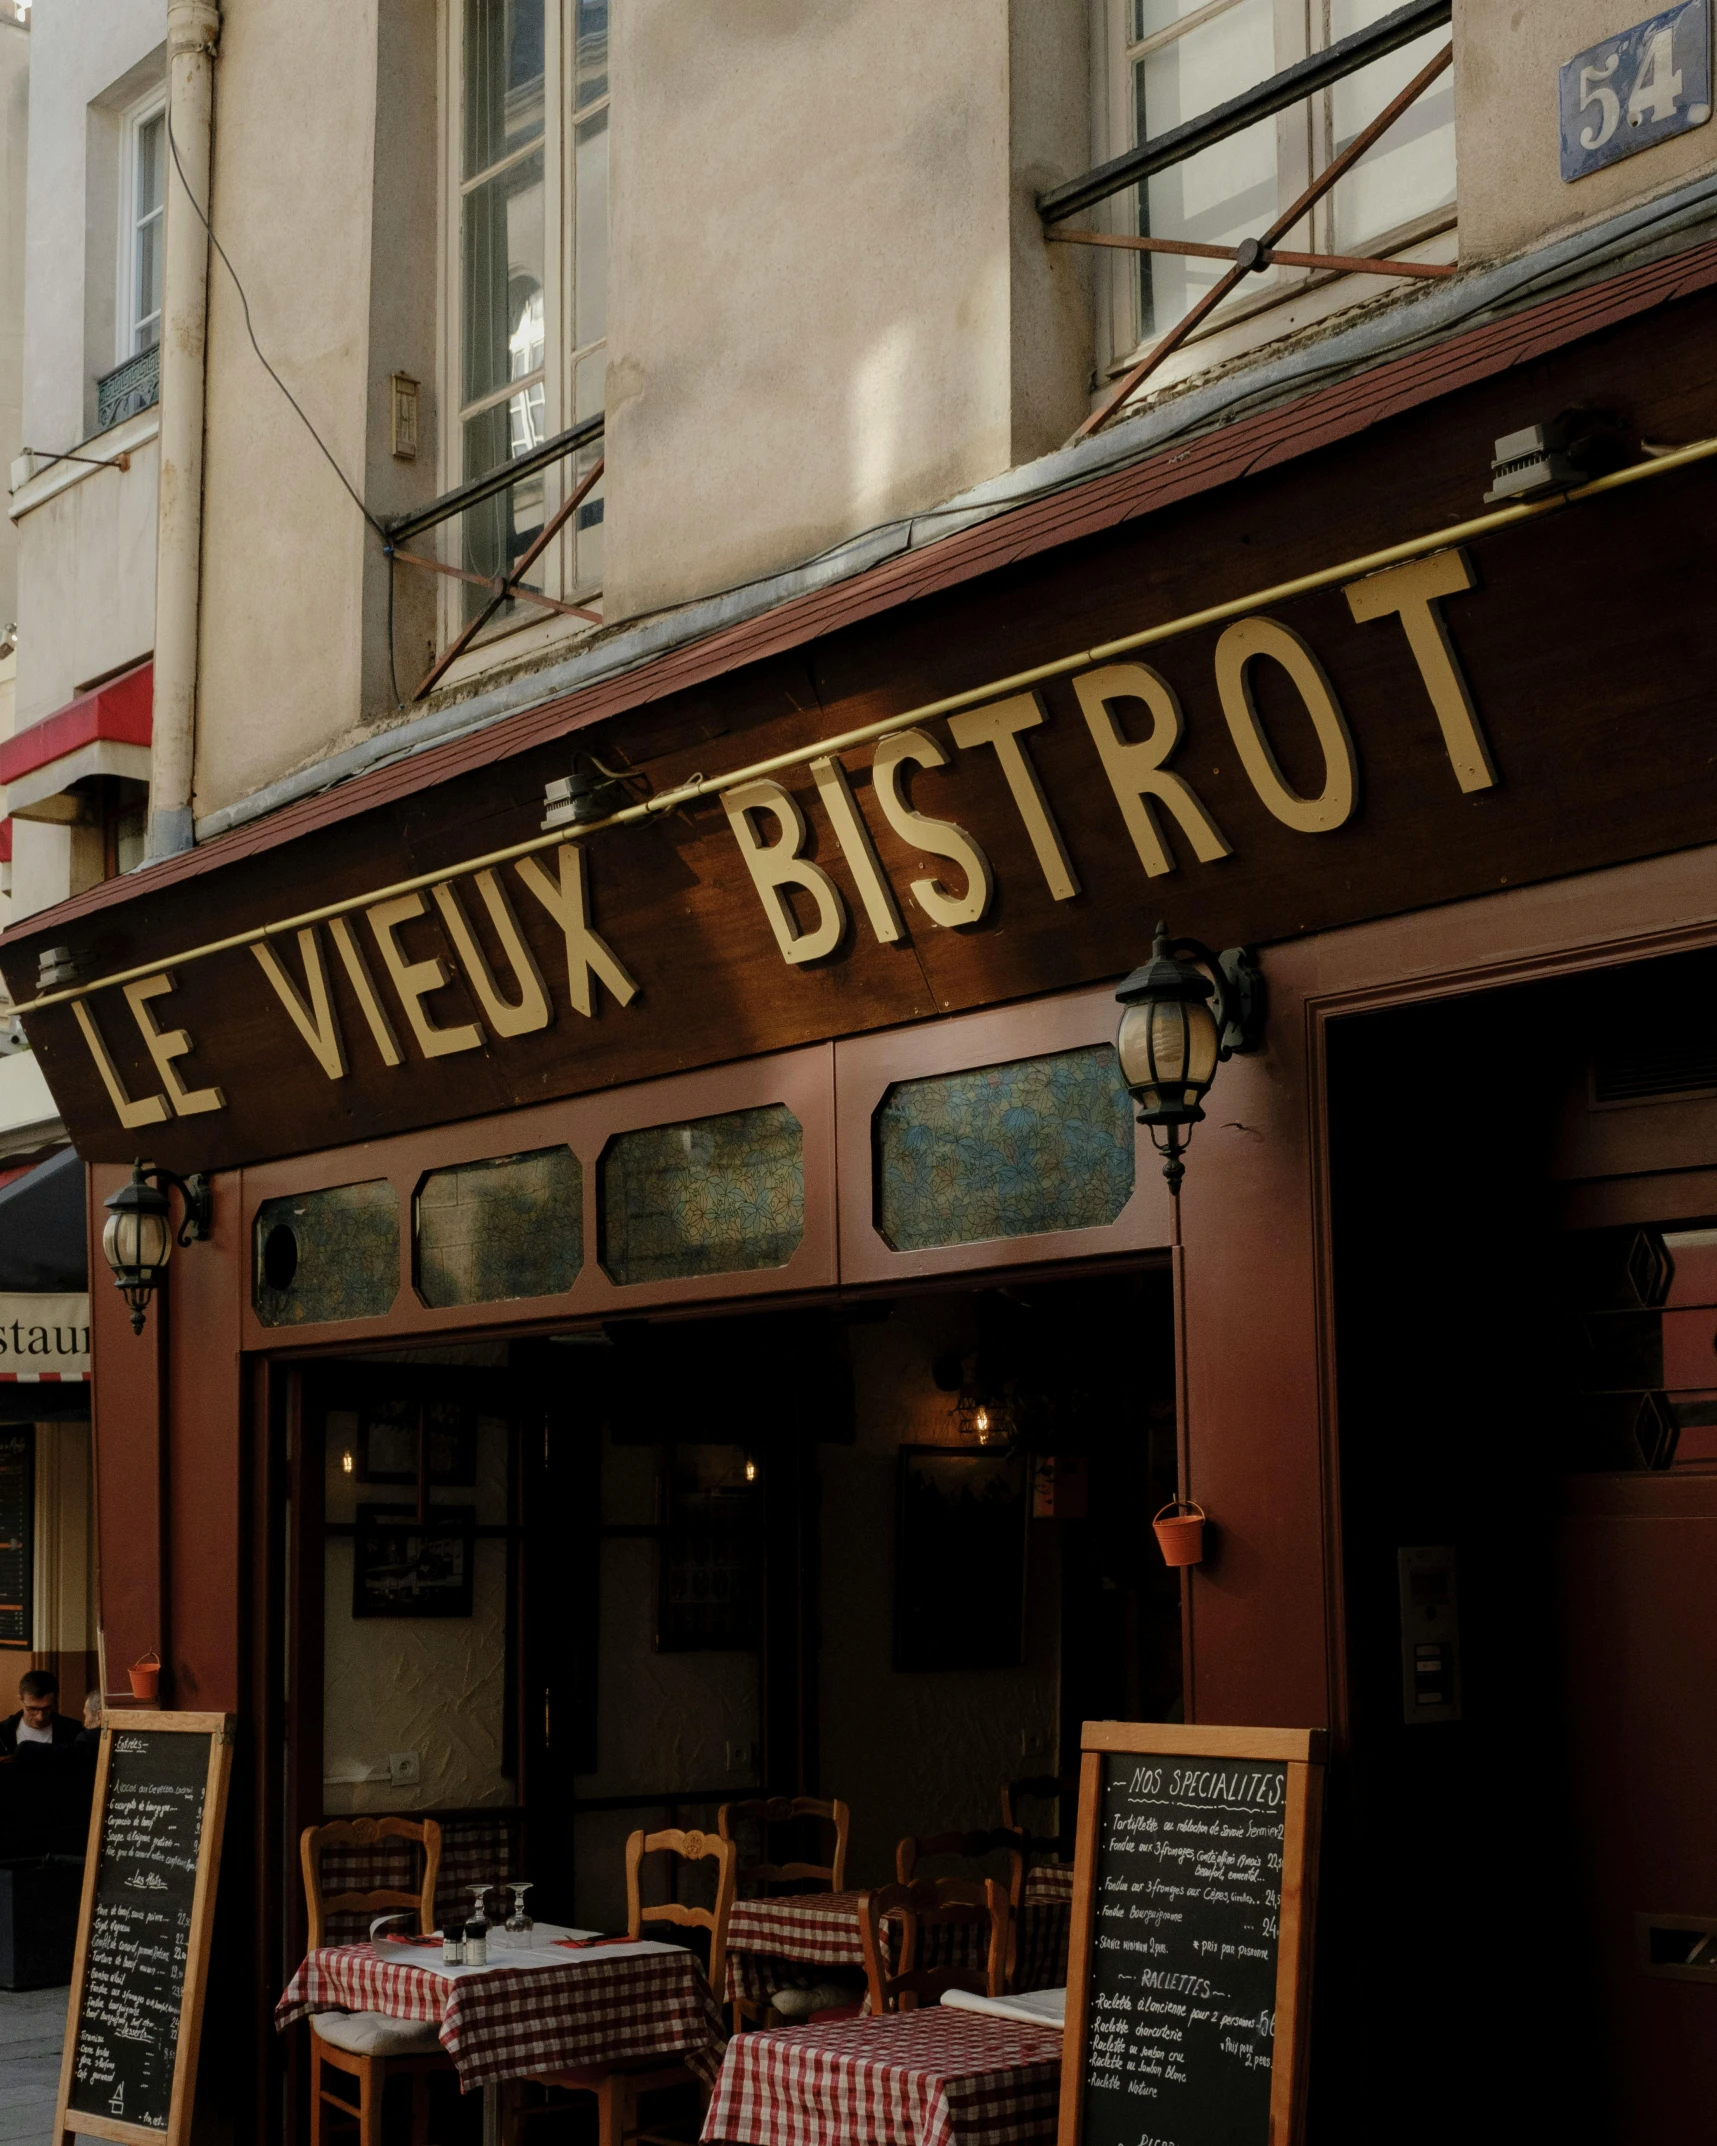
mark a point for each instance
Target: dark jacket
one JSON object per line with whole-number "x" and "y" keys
{"x": 66, "y": 1731}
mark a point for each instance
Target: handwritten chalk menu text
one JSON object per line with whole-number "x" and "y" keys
{"x": 1183, "y": 1978}
{"x": 139, "y": 1940}
{"x": 1190, "y": 1947}
{"x": 140, "y": 1926}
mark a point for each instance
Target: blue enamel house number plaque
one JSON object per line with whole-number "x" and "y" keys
{"x": 1636, "y": 89}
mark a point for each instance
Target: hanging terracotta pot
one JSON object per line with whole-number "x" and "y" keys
{"x": 145, "y": 1675}
{"x": 1179, "y": 1530}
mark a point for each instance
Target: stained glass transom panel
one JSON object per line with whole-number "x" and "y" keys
{"x": 511, "y": 1227}
{"x": 1016, "y": 1150}
{"x": 716, "y": 1196}
{"x": 327, "y": 1255}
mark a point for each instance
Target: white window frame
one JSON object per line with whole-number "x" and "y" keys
{"x": 560, "y": 359}
{"x": 1304, "y": 147}
{"x": 132, "y": 123}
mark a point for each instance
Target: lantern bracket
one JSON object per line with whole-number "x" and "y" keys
{"x": 1241, "y": 999}
{"x": 199, "y": 1203}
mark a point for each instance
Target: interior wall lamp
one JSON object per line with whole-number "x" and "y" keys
{"x": 1172, "y": 1037}
{"x": 138, "y": 1240}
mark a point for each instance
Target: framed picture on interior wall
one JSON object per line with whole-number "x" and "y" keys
{"x": 959, "y": 1558}
{"x": 710, "y": 1558}
{"x": 404, "y": 1567}
{"x": 387, "y": 1442}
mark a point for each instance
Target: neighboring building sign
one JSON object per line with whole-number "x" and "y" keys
{"x": 44, "y": 1337}
{"x": 17, "y": 1533}
{"x": 1636, "y": 89}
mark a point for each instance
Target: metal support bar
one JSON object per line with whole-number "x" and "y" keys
{"x": 488, "y": 581}
{"x": 1283, "y": 224}
{"x": 1347, "y": 264}
{"x": 497, "y": 480}
{"x": 1317, "y": 71}
{"x": 544, "y": 537}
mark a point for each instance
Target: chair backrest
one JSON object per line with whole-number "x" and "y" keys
{"x": 1059, "y": 1789}
{"x": 971, "y": 1848}
{"x": 935, "y": 1905}
{"x": 690, "y": 1848}
{"x": 355, "y": 1836}
{"x": 766, "y": 1811}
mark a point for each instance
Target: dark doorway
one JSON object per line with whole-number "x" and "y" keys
{"x": 1526, "y": 1679}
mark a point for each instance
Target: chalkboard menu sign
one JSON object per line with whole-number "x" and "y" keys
{"x": 130, "y": 2061}
{"x": 17, "y": 1549}
{"x": 1190, "y": 1944}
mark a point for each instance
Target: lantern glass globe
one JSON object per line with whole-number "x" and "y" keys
{"x": 136, "y": 1240}
{"x": 1168, "y": 1052}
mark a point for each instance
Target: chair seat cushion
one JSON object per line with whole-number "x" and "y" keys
{"x": 374, "y": 2034}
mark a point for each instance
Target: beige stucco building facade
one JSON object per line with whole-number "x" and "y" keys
{"x": 796, "y": 260}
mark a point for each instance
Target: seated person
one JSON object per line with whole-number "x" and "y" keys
{"x": 38, "y": 1719}
{"x": 89, "y": 1739}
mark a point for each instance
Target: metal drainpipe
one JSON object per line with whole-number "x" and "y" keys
{"x": 193, "y": 26}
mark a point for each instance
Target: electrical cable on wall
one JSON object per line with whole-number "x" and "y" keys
{"x": 326, "y": 451}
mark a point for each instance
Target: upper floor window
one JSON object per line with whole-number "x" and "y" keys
{"x": 1168, "y": 61}
{"x": 144, "y": 195}
{"x": 529, "y": 276}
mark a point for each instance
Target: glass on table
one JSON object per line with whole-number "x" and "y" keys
{"x": 520, "y": 1930}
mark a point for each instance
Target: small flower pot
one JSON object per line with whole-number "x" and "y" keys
{"x": 145, "y": 1676}
{"x": 1179, "y": 1529}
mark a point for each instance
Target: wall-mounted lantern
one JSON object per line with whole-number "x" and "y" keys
{"x": 1171, "y": 1037}
{"x": 138, "y": 1240}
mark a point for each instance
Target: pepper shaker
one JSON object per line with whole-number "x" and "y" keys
{"x": 476, "y": 1944}
{"x": 452, "y": 1949}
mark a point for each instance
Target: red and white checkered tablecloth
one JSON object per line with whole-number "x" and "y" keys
{"x": 768, "y": 1940}
{"x": 511, "y": 2023}
{"x": 1045, "y": 1922}
{"x": 776, "y": 1944}
{"x": 934, "y": 2077}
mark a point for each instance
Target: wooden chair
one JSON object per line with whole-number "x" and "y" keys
{"x": 1059, "y": 1789}
{"x": 764, "y": 1812}
{"x": 619, "y": 2088}
{"x": 972, "y": 1848}
{"x": 370, "y": 2047}
{"x": 929, "y": 1904}
{"x": 767, "y": 1811}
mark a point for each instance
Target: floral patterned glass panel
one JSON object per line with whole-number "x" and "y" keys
{"x": 489, "y": 1231}
{"x": 1013, "y": 1150}
{"x": 717, "y": 1196}
{"x": 327, "y": 1255}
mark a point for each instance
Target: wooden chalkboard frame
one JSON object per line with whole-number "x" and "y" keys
{"x": 1302, "y": 1752}
{"x": 220, "y": 1729}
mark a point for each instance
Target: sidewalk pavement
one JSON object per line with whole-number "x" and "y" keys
{"x": 32, "y": 2028}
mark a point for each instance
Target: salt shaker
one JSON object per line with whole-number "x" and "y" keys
{"x": 452, "y": 1949}
{"x": 476, "y": 1944}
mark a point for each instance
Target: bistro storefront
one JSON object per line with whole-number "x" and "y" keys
{"x": 603, "y": 1222}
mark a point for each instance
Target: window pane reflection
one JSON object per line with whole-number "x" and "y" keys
{"x": 590, "y": 239}
{"x": 1411, "y": 171}
{"x": 501, "y": 254}
{"x": 1226, "y": 193}
{"x": 503, "y": 79}
{"x": 592, "y": 36}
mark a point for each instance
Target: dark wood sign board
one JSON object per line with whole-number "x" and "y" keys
{"x": 142, "y": 1965}
{"x": 1595, "y": 763}
{"x": 1189, "y": 1960}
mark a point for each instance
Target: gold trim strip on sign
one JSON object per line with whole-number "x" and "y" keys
{"x": 868, "y": 733}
